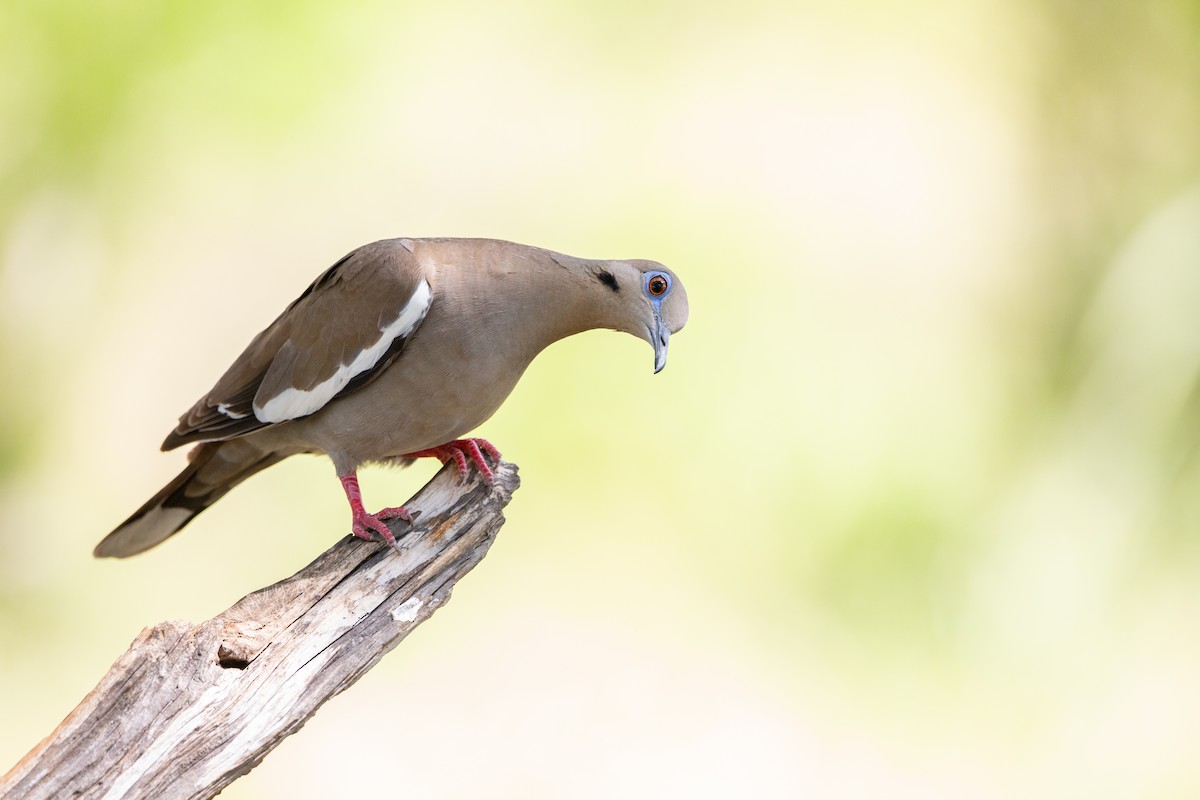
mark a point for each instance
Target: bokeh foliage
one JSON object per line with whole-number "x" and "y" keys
{"x": 913, "y": 509}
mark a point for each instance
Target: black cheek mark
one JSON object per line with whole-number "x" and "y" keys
{"x": 608, "y": 279}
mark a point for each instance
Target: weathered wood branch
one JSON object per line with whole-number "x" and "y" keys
{"x": 190, "y": 708}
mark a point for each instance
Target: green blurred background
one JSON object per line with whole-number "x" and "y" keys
{"x": 914, "y": 510}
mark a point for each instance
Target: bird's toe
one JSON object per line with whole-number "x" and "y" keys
{"x": 371, "y": 528}
{"x": 395, "y": 512}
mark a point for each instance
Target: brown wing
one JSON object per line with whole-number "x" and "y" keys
{"x": 346, "y": 328}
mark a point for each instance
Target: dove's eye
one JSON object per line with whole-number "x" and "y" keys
{"x": 657, "y": 285}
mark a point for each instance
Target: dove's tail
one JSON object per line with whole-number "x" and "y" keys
{"x": 213, "y": 469}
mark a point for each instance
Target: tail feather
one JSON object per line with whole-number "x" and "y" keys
{"x": 181, "y": 500}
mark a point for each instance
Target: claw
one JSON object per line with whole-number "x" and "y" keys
{"x": 395, "y": 512}
{"x": 460, "y": 461}
{"x": 461, "y": 450}
{"x": 464, "y": 452}
{"x": 370, "y": 526}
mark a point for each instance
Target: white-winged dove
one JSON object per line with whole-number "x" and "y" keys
{"x": 393, "y": 353}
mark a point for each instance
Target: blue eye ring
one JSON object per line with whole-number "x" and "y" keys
{"x": 657, "y": 285}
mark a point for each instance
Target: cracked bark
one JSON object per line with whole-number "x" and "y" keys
{"x": 189, "y": 708}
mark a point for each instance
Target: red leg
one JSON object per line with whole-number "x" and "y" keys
{"x": 365, "y": 525}
{"x": 461, "y": 450}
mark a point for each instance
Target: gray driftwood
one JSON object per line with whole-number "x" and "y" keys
{"x": 190, "y": 708}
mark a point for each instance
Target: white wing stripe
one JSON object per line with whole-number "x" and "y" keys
{"x": 229, "y": 412}
{"x": 293, "y": 403}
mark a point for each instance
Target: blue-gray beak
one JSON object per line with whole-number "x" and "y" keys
{"x": 659, "y": 337}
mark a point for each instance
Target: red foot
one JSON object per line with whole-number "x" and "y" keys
{"x": 367, "y": 526}
{"x": 460, "y": 450}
